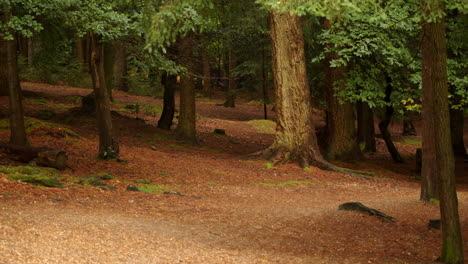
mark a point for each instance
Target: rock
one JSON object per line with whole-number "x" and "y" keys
{"x": 434, "y": 224}
{"x": 132, "y": 188}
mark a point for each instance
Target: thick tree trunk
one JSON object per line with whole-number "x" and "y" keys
{"x": 231, "y": 94}
{"x": 109, "y": 61}
{"x": 457, "y": 121}
{"x": 207, "y": 85}
{"x": 295, "y": 138}
{"x": 366, "y": 130}
{"x": 186, "y": 129}
{"x": 435, "y": 96}
{"x": 16, "y": 112}
{"x": 383, "y": 125}
{"x": 169, "y": 83}
{"x": 3, "y": 69}
{"x": 108, "y": 148}
{"x": 341, "y": 130}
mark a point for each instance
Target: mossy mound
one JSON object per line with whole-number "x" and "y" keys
{"x": 37, "y": 126}
{"x": 264, "y": 126}
{"x": 98, "y": 180}
{"x": 35, "y": 175}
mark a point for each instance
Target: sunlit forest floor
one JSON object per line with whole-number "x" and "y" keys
{"x": 207, "y": 203}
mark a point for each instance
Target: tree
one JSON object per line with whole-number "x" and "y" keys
{"x": 436, "y": 126}
{"x": 169, "y": 82}
{"x": 366, "y": 129}
{"x": 341, "y": 130}
{"x": 295, "y": 137}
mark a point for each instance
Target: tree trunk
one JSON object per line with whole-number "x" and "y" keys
{"x": 108, "y": 148}
{"x": 120, "y": 67}
{"x": 16, "y": 112}
{"x": 186, "y": 129}
{"x": 383, "y": 125}
{"x": 366, "y": 130}
{"x": 169, "y": 83}
{"x": 30, "y": 52}
{"x": 266, "y": 100}
{"x": 341, "y": 130}
{"x": 457, "y": 121}
{"x": 3, "y": 69}
{"x": 80, "y": 52}
{"x": 435, "y": 96}
{"x": 295, "y": 138}
{"x": 231, "y": 94}
{"x": 408, "y": 127}
{"x": 207, "y": 85}
{"x": 109, "y": 61}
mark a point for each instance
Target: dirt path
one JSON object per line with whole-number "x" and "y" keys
{"x": 233, "y": 210}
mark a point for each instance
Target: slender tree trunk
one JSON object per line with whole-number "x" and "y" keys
{"x": 16, "y": 112}
{"x": 295, "y": 138}
{"x": 207, "y": 86}
{"x": 30, "y": 52}
{"x": 186, "y": 129}
{"x": 169, "y": 83}
{"x": 108, "y": 147}
{"x": 457, "y": 121}
{"x": 383, "y": 125}
{"x": 109, "y": 61}
{"x": 231, "y": 95}
{"x": 80, "y": 52}
{"x": 435, "y": 96}
{"x": 266, "y": 100}
{"x": 366, "y": 129}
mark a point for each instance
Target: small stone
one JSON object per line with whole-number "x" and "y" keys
{"x": 132, "y": 188}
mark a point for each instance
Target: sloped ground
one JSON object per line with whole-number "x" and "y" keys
{"x": 233, "y": 210}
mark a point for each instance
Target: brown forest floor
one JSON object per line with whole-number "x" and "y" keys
{"x": 226, "y": 215}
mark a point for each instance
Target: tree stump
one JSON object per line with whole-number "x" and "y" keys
{"x": 53, "y": 158}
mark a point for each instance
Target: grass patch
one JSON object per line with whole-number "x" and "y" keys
{"x": 263, "y": 126}
{"x": 143, "y": 181}
{"x": 177, "y": 147}
{"x": 412, "y": 141}
{"x": 97, "y": 180}
{"x": 34, "y": 125}
{"x": 153, "y": 189}
{"x": 211, "y": 183}
{"x": 35, "y": 175}
{"x": 284, "y": 184}
{"x": 38, "y": 101}
{"x": 269, "y": 165}
{"x": 164, "y": 136}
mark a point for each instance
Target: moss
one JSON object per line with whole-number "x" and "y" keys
{"x": 164, "y": 136}
{"x": 29, "y": 170}
{"x": 46, "y": 114}
{"x": 211, "y": 183}
{"x": 412, "y": 141}
{"x": 34, "y": 124}
{"x": 177, "y": 146}
{"x": 41, "y": 180}
{"x": 269, "y": 165}
{"x": 153, "y": 189}
{"x": 263, "y": 126}
{"x": 96, "y": 179}
{"x": 143, "y": 181}
{"x": 284, "y": 184}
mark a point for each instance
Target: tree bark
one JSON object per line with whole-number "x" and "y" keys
{"x": 231, "y": 95}
{"x": 457, "y": 121}
{"x": 120, "y": 67}
{"x": 207, "y": 84}
{"x": 169, "y": 83}
{"x": 366, "y": 129}
{"x": 108, "y": 147}
{"x": 186, "y": 129}
{"x": 435, "y": 96}
{"x": 383, "y": 125}
{"x": 295, "y": 138}
{"x": 341, "y": 130}
{"x": 3, "y": 69}
{"x": 16, "y": 112}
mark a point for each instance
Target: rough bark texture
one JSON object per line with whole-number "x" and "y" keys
{"x": 266, "y": 99}
{"x": 109, "y": 61}
{"x": 341, "y": 130}
{"x": 187, "y": 117}
{"x": 456, "y": 127}
{"x": 16, "y": 112}
{"x": 383, "y": 125}
{"x": 108, "y": 148}
{"x": 3, "y": 69}
{"x": 231, "y": 95}
{"x": 169, "y": 82}
{"x": 295, "y": 137}
{"x": 366, "y": 129}
{"x": 435, "y": 96}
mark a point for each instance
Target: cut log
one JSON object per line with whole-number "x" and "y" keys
{"x": 362, "y": 208}
{"x": 41, "y": 155}
{"x": 53, "y": 158}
